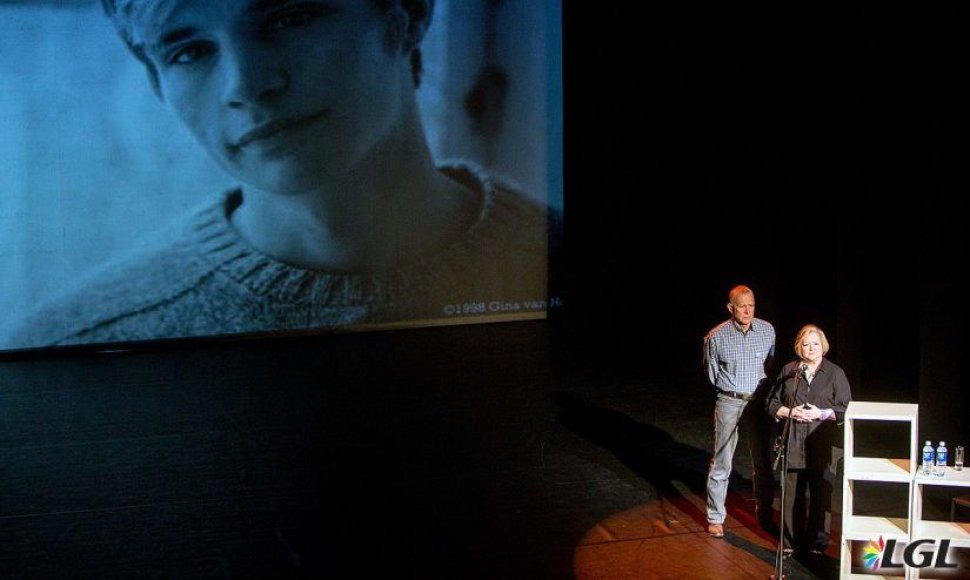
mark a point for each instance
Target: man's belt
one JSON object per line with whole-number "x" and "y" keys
{"x": 736, "y": 395}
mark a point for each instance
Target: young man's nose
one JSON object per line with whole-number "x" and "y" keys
{"x": 250, "y": 76}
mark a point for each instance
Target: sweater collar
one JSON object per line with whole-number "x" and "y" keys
{"x": 261, "y": 274}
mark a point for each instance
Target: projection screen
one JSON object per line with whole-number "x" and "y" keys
{"x": 254, "y": 167}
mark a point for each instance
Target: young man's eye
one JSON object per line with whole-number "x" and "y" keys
{"x": 188, "y": 53}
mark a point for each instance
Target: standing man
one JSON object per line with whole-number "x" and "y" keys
{"x": 736, "y": 354}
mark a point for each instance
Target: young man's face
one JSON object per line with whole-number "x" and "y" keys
{"x": 282, "y": 93}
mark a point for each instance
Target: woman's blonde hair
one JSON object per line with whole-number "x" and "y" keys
{"x": 808, "y": 329}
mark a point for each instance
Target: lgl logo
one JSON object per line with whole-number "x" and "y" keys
{"x": 879, "y": 554}
{"x": 872, "y": 554}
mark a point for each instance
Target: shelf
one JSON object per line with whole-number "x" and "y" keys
{"x": 871, "y": 527}
{"x": 878, "y": 469}
{"x": 881, "y": 411}
{"x": 957, "y": 533}
{"x": 950, "y": 477}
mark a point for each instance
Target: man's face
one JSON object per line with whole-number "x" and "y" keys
{"x": 742, "y": 309}
{"x": 282, "y": 93}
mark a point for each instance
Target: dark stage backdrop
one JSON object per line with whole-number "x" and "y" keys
{"x": 816, "y": 154}
{"x": 93, "y": 165}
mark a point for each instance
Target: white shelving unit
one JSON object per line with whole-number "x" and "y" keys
{"x": 898, "y": 471}
{"x": 957, "y": 533}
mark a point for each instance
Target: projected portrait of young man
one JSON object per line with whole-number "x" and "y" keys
{"x": 341, "y": 218}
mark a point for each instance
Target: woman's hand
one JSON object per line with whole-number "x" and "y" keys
{"x": 799, "y": 414}
{"x": 810, "y": 412}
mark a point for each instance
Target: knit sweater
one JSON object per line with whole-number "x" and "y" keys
{"x": 199, "y": 278}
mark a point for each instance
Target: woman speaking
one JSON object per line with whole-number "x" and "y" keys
{"x": 813, "y": 392}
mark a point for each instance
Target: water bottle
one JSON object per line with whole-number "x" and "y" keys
{"x": 927, "y": 466}
{"x": 941, "y": 459}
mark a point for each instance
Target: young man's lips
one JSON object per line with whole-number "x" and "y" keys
{"x": 276, "y": 126}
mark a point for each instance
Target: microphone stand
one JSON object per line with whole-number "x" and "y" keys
{"x": 781, "y": 456}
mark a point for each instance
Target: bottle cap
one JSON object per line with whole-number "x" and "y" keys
{"x": 942, "y": 442}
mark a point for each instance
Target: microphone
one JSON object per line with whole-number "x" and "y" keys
{"x": 805, "y": 374}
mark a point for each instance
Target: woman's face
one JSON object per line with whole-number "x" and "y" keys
{"x": 810, "y": 349}
{"x": 281, "y": 93}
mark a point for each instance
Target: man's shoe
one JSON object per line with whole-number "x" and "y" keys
{"x": 716, "y": 530}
